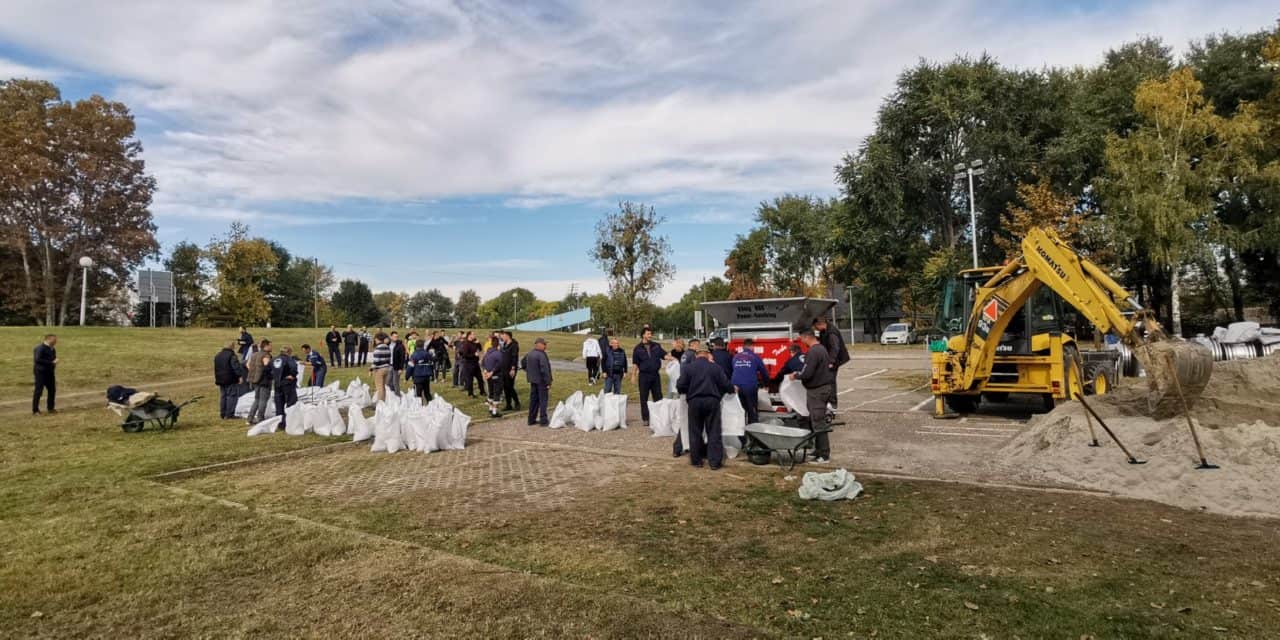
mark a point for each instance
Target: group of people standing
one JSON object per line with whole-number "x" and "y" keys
{"x": 348, "y": 348}
{"x": 266, "y": 374}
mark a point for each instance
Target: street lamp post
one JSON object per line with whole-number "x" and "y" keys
{"x": 85, "y": 263}
{"x": 515, "y": 314}
{"x": 972, "y": 169}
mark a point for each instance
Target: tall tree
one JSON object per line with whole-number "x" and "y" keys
{"x": 73, "y": 184}
{"x": 391, "y": 305}
{"x": 634, "y": 258}
{"x": 511, "y": 306}
{"x": 352, "y": 303}
{"x": 240, "y": 265}
{"x": 190, "y": 279}
{"x": 1162, "y": 179}
{"x": 429, "y": 308}
{"x": 745, "y": 266}
{"x": 466, "y": 313}
{"x": 1040, "y": 206}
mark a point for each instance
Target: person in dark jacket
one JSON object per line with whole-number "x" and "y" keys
{"x": 312, "y": 359}
{"x": 647, "y": 358}
{"x": 748, "y": 371}
{"x": 439, "y": 346}
{"x": 363, "y": 346}
{"x": 228, "y": 373}
{"x": 704, "y": 385}
{"x": 45, "y": 361}
{"x": 349, "y": 341}
{"x": 721, "y": 356}
{"x": 833, "y": 342}
{"x": 615, "y": 368}
{"x": 259, "y": 379}
{"x": 333, "y": 340}
{"x": 422, "y": 367}
{"x": 819, "y": 380}
{"x": 794, "y": 364}
{"x": 691, "y": 353}
{"x": 245, "y": 343}
{"x": 399, "y": 360}
{"x": 537, "y": 370}
{"x": 469, "y": 356}
{"x": 510, "y": 364}
{"x": 459, "y": 341}
{"x": 605, "y": 336}
{"x": 493, "y": 374}
{"x": 284, "y": 372}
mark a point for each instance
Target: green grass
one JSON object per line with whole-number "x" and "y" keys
{"x": 94, "y": 548}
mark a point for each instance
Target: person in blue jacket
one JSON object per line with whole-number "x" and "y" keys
{"x": 318, "y": 366}
{"x": 794, "y": 365}
{"x": 647, "y": 358}
{"x": 422, "y": 368}
{"x": 615, "y": 367}
{"x": 748, "y": 371}
{"x": 284, "y": 369}
{"x": 721, "y": 356}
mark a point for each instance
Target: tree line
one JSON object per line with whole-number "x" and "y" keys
{"x": 1165, "y": 170}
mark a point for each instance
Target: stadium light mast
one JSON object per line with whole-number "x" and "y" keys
{"x": 972, "y": 169}
{"x": 85, "y": 263}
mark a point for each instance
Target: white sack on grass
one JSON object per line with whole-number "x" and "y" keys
{"x": 673, "y": 376}
{"x": 359, "y": 426}
{"x": 457, "y": 433}
{"x": 836, "y": 485}
{"x": 608, "y": 413}
{"x": 680, "y": 418}
{"x": 587, "y": 418}
{"x": 733, "y": 418}
{"x": 336, "y": 425}
{"x": 574, "y": 405}
{"x": 410, "y": 422}
{"x": 314, "y": 419}
{"x": 661, "y": 414}
{"x": 426, "y": 431}
{"x": 559, "y": 417}
{"x": 622, "y": 410}
{"x": 294, "y": 424}
{"x": 793, "y": 396}
{"x": 266, "y": 426}
{"x": 244, "y": 404}
{"x": 763, "y": 403}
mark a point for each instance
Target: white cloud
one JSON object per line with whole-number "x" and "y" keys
{"x": 264, "y": 102}
{"x": 10, "y": 69}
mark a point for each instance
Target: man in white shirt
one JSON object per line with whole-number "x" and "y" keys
{"x": 591, "y": 353}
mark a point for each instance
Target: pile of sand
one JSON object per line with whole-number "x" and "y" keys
{"x": 1239, "y": 412}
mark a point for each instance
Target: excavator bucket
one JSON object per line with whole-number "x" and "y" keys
{"x": 1177, "y": 373}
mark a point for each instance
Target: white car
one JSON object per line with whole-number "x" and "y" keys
{"x": 898, "y": 333}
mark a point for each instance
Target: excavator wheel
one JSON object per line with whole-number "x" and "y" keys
{"x": 1099, "y": 377}
{"x": 962, "y": 404}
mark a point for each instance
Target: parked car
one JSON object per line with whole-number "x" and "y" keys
{"x": 898, "y": 333}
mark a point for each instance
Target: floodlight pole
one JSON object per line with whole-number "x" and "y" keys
{"x": 315, "y": 290}
{"x": 970, "y": 170}
{"x": 85, "y": 263}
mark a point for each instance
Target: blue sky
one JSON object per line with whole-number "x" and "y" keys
{"x": 473, "y": 144}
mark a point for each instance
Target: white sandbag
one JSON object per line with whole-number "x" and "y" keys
{"x": 622, "y": 410}
{"x": 426, "y": 439}
{"x": 673, "y": 376}
{"x": 337, "y": 427}
{"x": 763, "y": 403}
{"x": 574, "y": 404}
{"x": 733, "y": 418}
{"x": 559, "y": 417}
{"x": 608, "y": 413}
{"x": 393, "y": 438}
{"x": 314, "y": 419}
{"x": 294, "y": 420}
{"x": 1241, "y": 332}
{"x": 409, "y": 427}
{"x": 457, "y": 432}
{"x": 359, "y": 426}
{"x": 680, "y": 418}
{"x": 587, "y": 418}
{"x": 244, "y": 404}
{"x": 836, "y": 485}
{"x": 793, "y": 396}
{"x": 266, "y": 426}
{"x": 661, "y": 413}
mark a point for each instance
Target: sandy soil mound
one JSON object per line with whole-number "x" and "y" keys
{"x": 1240, "y": 410}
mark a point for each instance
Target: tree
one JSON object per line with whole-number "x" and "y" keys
{"x": 466, "y": 313}
{"x": 353, "y": 303}
{"x": 677, "y": 318}
{"x": 1040, "y": 206}
{"x": 429, "y": 309}
{"x": 634, "y": 258}
{"x": 745, "y": 266}
{"x": 240, "y": 264}
{"x": 73, "y": 184}
{"x": 186, "y": 263}
{"x": 391, "y": 306}
{"x": 509, "y": 307}
{"x": 1162, "y": 179}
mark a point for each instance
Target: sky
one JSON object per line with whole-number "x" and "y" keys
{"x": 415, "y": 144}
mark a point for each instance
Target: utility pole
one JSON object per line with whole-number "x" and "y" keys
{"x": 972, "y": 169}
{"x": 315, "y": 290}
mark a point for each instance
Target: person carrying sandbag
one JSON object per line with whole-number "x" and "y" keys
{"x": 819, "y": 380}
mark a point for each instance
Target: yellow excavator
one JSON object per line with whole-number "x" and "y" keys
{"x": 1006, "y": 333}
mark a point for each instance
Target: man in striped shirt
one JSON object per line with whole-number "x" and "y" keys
{"x": 380, "y": 365}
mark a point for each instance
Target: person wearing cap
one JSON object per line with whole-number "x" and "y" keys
{"x": 833, "y": 342}
{"x": 748, "y": 371}
{"x": 720, "y": 354}
{"x": 647, "y": 358}
{"x": 819, "y": 380}
{"x": 704, "y": 385}
{"x": 537, "y": 370}
{"x": 794, "y": 364}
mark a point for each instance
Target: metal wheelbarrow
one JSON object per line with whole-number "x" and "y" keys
{"x": 148, "y": 408}
{"x": 790, "y": 444}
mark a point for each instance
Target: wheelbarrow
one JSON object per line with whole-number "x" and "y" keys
{"x": 146, "y": 408}
{"x": 790, "y": 444}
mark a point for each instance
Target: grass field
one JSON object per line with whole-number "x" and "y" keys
{"x": 95, "y": 546}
